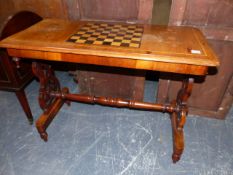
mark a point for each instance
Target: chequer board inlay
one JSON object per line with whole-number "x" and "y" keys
{"x": 109, "y": 34}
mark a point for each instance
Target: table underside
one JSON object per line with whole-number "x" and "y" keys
{"x": 52, "y": 97}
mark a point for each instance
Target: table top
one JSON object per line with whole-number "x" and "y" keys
{"x": 120, "y": 42}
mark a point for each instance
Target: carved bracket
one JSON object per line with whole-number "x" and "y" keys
{"x": 48, "y": 83}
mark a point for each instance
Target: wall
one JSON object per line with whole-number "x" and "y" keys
{"x": 117, "y": 10}
{"x": 161, "y": 12}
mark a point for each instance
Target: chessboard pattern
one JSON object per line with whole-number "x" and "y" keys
{"x": 125, "y": 35}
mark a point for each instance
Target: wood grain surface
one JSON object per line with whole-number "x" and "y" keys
{"x": 162, "y": 48}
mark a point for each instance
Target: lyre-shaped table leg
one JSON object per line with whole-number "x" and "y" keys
{"x": 48, "y": 83}
{"x": 178, "y": 118}
{"x": 50, "y": 105}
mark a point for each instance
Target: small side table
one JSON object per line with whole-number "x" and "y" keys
{"x": 180, "y": 50}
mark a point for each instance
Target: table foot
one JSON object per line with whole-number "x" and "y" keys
{"x": 43, "y": 133}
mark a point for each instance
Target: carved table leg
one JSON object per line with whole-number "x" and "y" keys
{"x": 24, "y": 103}
{"x": 178, "y": 118}
{"x": 50, "y": 105}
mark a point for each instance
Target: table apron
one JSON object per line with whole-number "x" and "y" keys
{"x": 180, "y": 68}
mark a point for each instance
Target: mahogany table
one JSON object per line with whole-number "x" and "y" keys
{"x": 180, "y": 50}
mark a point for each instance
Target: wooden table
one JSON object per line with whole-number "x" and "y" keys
{"x": 181, "y": 50}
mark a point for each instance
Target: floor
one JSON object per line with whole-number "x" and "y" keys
{"x": 96, "y": 140}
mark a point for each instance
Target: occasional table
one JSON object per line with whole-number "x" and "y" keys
{"x": 178, "y": 50}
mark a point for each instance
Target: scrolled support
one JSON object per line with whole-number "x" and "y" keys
{"x": 49, "y": 104}
{"x": 48, "y": 83}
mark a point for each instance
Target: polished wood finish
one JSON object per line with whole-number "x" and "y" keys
{"x": 167, "y": 49}
{"x": 11, "y": 78}
{"x": 91, "y": 82}
{"x": 159, "y": 44}
{"x": 111, "y": 61}
{"x": 114, "y": 102}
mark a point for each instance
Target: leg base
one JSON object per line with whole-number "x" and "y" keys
{"x": 46, "y": 118}
{"x": 176, "y": 155}
{"x": 44, "y": 136}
